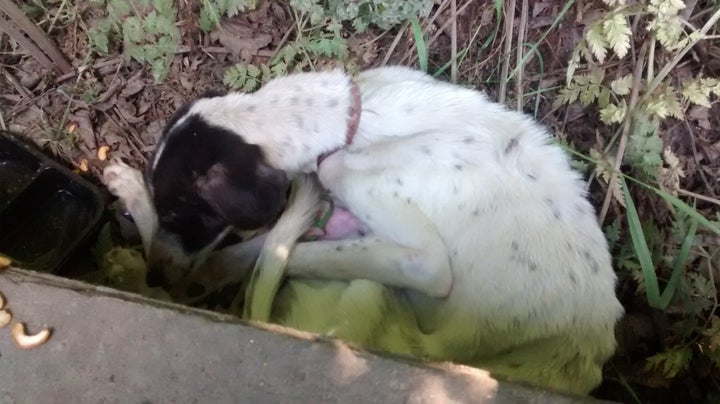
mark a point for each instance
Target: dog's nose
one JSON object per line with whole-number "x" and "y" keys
{"x": 155, "y": 279}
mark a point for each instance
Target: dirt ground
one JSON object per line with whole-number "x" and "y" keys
{"x": 115, "y": 102}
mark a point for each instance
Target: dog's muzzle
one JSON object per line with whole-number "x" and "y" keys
{"x": 169, "y": 263}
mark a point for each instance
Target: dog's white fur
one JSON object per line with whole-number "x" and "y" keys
{"x": 471, "y": 209}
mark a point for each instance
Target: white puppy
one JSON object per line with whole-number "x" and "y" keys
{"x": 467, "y": 207}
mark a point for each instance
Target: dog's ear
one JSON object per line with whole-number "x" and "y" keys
{"x": 247, "y": 203}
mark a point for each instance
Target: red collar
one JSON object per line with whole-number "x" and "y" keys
{"x": 353, "y": 121}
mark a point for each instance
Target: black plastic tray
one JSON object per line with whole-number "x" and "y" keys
{"x": 46, "y": 210}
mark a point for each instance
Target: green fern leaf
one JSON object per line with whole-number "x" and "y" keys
{"x": 617, "y": 32}
{"x": 671, "y": 362}
{"x": 698, "y": 91}
{"x": 668, "y": 32}
{"x": 253, "y": 71}
{"x": 603, "y": 98}
{"x": 596, "y": 41}
{"x": 623, "y": 85}
{"x": 665, "y": 104}
{"x": 573, "y": 63}
{"x": 644, "y": 148}
{"x": 665, "y": 7}
{"x": 613, "y": 113}
{"x": 567, "y": 95}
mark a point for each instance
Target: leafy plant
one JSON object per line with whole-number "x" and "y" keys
{"x": 148, "y": 30}
{"x": 246, "y": 77}
{"x": 291, "y": 58}
{"x": 612, "y": 34}
{"x": 212, "y": 10}
{"x": 670, "y": 362}
{"x": 319, "y": 36}
{"x": 361, "y": 13}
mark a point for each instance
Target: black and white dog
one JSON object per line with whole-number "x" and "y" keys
{"x": 462, "y": 204}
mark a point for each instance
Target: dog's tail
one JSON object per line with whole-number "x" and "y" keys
{"x": 270, "y": 266}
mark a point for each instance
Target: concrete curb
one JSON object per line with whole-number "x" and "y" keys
{"x": 111, "y": 346}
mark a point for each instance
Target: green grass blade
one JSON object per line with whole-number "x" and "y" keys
{"x": 641, "y": 250}
{"x": 460, "y": 55}
{"x": 678, "y": 266}
{"x": 683, "y": 207}
{"x": 498, "y": 19}
{"x": 420, "y": 44}
{"x": 671, "y": 199}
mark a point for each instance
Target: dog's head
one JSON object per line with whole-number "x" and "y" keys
{"x": 222, "y": 162}
{"x": 205, "y": 180}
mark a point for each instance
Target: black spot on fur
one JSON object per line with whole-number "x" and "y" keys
{"x": 553, "y": 207}
{"x": 339, "y": 248}
{"x": 532, "y": 265}
{"x": 594, "y": 266}
{"x": 476, "y": 212}
{"x": 395, "y": 194}
{"x": 299, "y": 121}
{"x": 469, "y": 140}
{"x": 571, "y": 275}
{"x": 511, "y": 145}
{"x": 514, "y": 245}
{"x": 458, "y": 167}
{"x": 425, "y": 150}
{"x": 399, "y": 181}
{"x": 252, "y": 108}
{"x": 333, "y": 102}
{"x": 309, "y": 102}
{"x": 294, "y": 100}
{"x": 532, "y": 177}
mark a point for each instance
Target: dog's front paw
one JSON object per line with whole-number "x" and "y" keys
{"x": 122, "y": 180}
{"x": 128, "y": 185}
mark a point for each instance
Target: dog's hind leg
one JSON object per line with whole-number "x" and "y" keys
{"x": 404, "y": 250}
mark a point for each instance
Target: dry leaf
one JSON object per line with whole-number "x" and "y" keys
{"x": 670, "y": 176}
{"x": 240, "y": 38}
{"x": 133, "y": 86}
{"x": 701, "y": 116}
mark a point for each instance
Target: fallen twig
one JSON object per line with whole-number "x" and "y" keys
{"x": 42, "y": 44}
